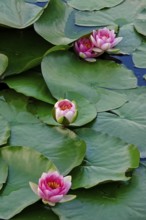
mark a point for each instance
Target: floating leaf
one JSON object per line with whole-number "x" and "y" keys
{"x": 56, "y": 25}
{"x": 93, "y": 4}
{"x": 24, "y": 49}
{"x": 91, "y": 80}
{"x": 3, "y": 63}
{"x": 84, "y": 107}
{"x": 20, "y": 13}
{"x": 30, "y": 84}
{"x": 25, "y": 165}
{"x": 131, "y": 40}
{"x": 4, "y": 131}
{"x": 13, "y": 108}
{"x": 139, "y": 56}
{"x": 61, "y": 146}
{"x": 107, "y": 159}
{"x": 140, "y": 21}
{"x": 123, "y": 201}
{"x": 119, "y": 15}
{"x": 3, "y": 172}
{"x": 36, "y": 211}
{"x": 127, "y": 122}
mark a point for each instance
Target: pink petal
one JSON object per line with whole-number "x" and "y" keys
{"x": 56, "y": 198}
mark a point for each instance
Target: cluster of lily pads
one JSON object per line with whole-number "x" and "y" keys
{"x": 91, "y": 158}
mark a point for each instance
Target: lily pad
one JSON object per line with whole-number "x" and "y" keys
{"x": 94, "y": 81}
{"x": 120, "y": 14}
{"x": 29, "y": 167}
{"x": 13, "y": 108}
{"x": 60, "y": 145}
{"x": 139, "y": 56}
{"x": 36, "y": 211}
{"x": 140, "y": 21}
{"x": 31, "y": 84}
{"x": 93, "y": 4}
{"x": 44, "y": 111}
{"x": 112, "y": 201}
{"x": 107, "y": 159}
{"x": 59, "y": 17}
{"x": 22, "y": 49}
{"x": 127, "y": 122}
{"x": 3, "y": 63}
{"x": 3, "y": 172}
{"x": 20, "y": 13}
{"x": 4, "y": 131}
{"x": 131, "y": 39}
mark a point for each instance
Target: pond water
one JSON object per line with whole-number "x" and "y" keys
{"x": 139, "y": 72}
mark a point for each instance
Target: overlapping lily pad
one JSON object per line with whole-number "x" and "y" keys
{"x": 93, "y": 4}
{"x": 25, "y": 165}
{"x": 123, "y": 201}
{"x": 44, "y": 111}
{"x": 91, "y": 80}
{"x": 36, "y": 211}
{"x": 3, "y": 172}
{"x": 60, "y": 145}
{"x": 31, "y": 84}
{"x": 4, "y": 131}
{"x": 140, "y": 21}
{"x": 107, "y": 159}
{"x": 3, "y": 63}
{"x": 20, "y": 13}
{"x": 127, "y": 122}
{"x": 24, "y": 49}
{"x": 139, "y": 56}
{"x": 56, "y": 25}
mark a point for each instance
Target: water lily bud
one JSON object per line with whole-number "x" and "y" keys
{"x": 104, "y": 39}
{"x": 84, "y": 48}
{"x": 52, "y": 188}
{"x": 65, "y": 111}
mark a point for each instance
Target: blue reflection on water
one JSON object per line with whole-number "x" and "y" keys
{"x": 139, "y": 72}
{"x": 40, "y": 4}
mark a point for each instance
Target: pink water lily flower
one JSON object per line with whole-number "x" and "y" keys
{"x": 65, "y": 111}
{"x": 52, "y": 188}
{"x": 84, "y": 48}
{"x": 104, "y": 39}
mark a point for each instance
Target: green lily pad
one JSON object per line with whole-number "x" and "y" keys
{"x": 93, "y": 4}
{"x": 127, "y": 122}
{"x": 30, "y": 84}
{"x": 119, "y": 15}
{"x": 140, "y": 21}
{"x": 112, "y": 201}
{"x": 20, "y": 13}
{"x": 13, "y": 108}
{"x": 3, "y": 63}
{"x": 97, "y": 19}
{"x": 24, "y": 49}
{"x": 139, "y": 56}
{"x": 86, "y": 110}
{"x": 131, "y": 39}
{"x": 59, "y": 17}
{"x": 60, "y": 145}
{"x": 94, "y": 81}
{"x": 4, "y": 131}
{"x": 36, "y": 211}
{"x": 107, "y": 159}
{"x": 3, "y": 172}
{"x": 25, "y": 165}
